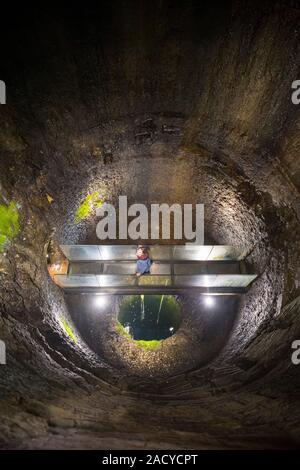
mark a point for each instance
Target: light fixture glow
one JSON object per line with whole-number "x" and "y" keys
{"x": 101, "y": 300}
{"x": 209, "y": 301}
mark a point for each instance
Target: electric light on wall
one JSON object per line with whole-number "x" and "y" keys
{"x": 101, "y": 300}
{"x": 209, "y": 300}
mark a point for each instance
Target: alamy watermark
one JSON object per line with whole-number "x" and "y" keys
{"x": 2, "y": 353}
{"x": 151, "y": 226}
{"x": 2, "y": 92}
{"x": 296, "y": 354}
{"x": 296, "y": 94}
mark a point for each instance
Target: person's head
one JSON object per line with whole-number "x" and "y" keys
{"x": 141, "y": 251}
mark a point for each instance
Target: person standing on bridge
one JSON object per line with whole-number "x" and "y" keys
{"x": 143, "y": 263}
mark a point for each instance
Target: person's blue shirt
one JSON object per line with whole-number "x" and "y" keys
{"x": 143, "y": 265}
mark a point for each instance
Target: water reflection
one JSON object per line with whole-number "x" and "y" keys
{"x": 150, "y": 317}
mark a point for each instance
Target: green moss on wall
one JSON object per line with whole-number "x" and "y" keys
{"x": 9, "y": 223}
{"x": 89, "y": 203}
{"x": 68, "y": 330}
{"x": 148, "y": 345}
{"x": 121, "y": 330}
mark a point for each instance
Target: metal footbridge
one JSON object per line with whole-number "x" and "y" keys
{"x": 110, "y": 269}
